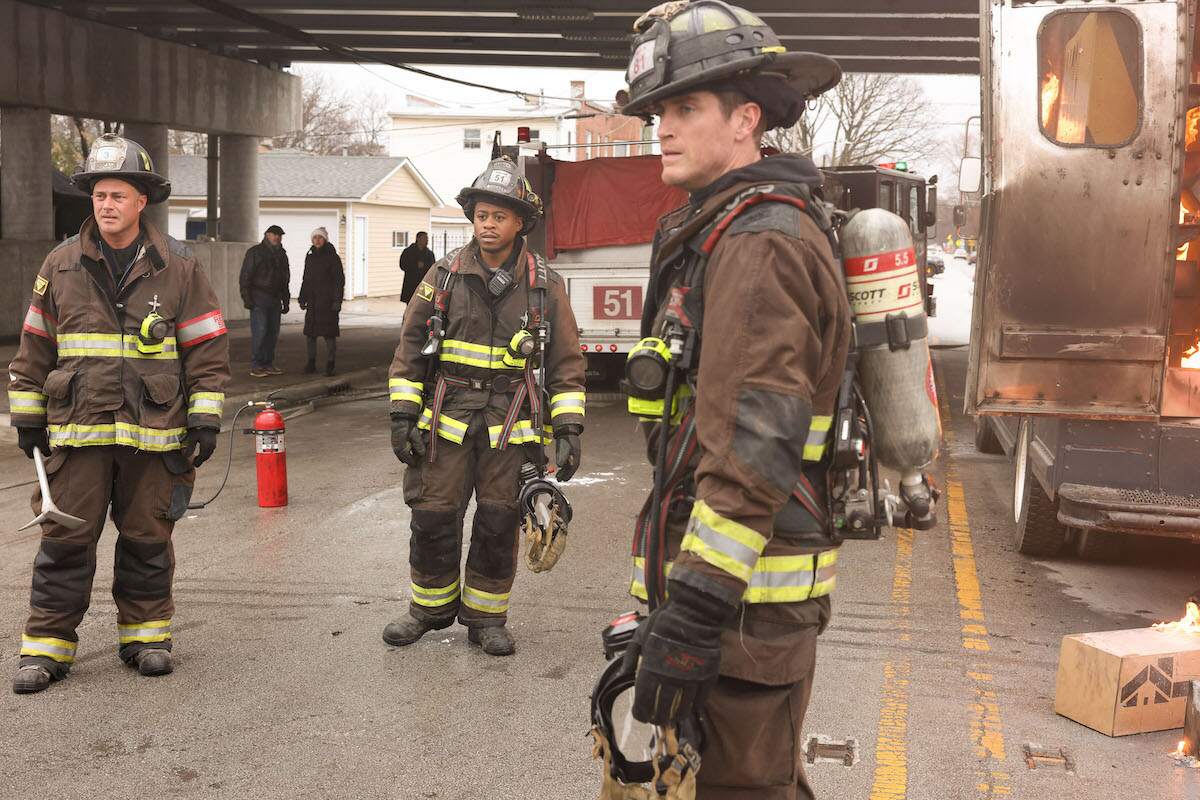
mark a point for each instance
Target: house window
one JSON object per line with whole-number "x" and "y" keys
{"x": 622, "y": 149}
{"x": 534, "y": 134}
{"x": 471, "y": 139}
{"x": 399, "y": 240}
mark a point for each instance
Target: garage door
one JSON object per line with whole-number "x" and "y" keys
{"x": 297, "y": 225}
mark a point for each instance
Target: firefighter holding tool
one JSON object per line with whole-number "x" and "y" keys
{"x": 119, "y": 381}
{"x": 747, "y": 329}
{"x": 487, "y": 368}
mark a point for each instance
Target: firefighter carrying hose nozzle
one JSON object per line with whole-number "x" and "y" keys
{"x": 747, "y": 328}
{"x": 119, "y": 381}
{"x": 487, "y": 368}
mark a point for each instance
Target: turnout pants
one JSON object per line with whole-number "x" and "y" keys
{"x": 438, "y": 494}
{"x": 146, "y": 492}
{"x": 752, "y": 731}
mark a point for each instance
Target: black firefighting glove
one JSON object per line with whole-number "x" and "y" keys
{"x": 679, "y": 651}
{"x": 29, "y": 438}
{"x": 407, "y": 443}
{"x": 201, "y": 441}
{"x": 567, "y": 450}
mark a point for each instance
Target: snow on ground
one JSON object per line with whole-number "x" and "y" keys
{"x": 955, "y": 288}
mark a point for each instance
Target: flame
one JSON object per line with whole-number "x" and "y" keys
{"x": 1191, "y": 360}
{"x": 1191, "y": 619}
{"x": 1050, "y": 97}
{"x": 1180, "y": 752}
{"x": 1193, "y": 127}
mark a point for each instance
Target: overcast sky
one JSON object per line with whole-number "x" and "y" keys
{"x": 952, "y": 99}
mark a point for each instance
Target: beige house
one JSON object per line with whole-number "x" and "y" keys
{"x": 372, "y": 207}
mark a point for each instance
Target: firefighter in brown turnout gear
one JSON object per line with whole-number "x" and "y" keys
{"x": 119, "y": 380}
{"x": 488, "y": 334}
{"x": 747, "y": 330}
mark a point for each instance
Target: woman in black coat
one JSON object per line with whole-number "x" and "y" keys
{"x": 321, "y": 298}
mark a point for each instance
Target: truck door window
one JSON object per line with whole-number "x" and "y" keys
{"x": 1089, "y": 68}
{"x": 886, "y": 200}
{"x": 914, "y": 211}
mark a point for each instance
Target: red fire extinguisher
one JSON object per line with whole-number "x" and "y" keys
{"x": 270, "y": 458}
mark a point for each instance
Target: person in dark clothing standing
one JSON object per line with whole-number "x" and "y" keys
{"x": 321, "y": 298}
{"x": 264, "y": 284}
{"x": 415, "y": 261}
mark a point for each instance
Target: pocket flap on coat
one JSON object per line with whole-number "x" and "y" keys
{"x": 161, "y": 389}
{"x": 58, "y": 383}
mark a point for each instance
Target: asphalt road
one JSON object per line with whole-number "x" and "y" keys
{"x": 940, "y": 661}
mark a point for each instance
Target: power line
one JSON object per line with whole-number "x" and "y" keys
{"x": 348, "y": 53}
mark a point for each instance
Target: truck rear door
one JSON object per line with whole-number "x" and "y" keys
{"x": 1073, "y": 287}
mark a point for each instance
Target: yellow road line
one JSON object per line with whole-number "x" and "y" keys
{"x": 891, "y": 743}
{"x": 987, "y": 727}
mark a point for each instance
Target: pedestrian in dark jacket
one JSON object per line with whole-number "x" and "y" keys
{"x": 264, "y": 284}
{"x": 415, "y": 261}
{"x": 321, "y": 298}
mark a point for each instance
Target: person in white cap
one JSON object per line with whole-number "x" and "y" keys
{"x": 321, "y": 293}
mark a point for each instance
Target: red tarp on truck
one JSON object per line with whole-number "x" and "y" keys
{"x": 607, "y": 201}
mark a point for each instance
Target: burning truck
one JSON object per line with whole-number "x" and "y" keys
{"x": 1085, "y": 351}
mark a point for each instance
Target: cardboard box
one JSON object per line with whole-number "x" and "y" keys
{"x": 1122, "y": 682}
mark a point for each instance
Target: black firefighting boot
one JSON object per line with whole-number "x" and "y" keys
{"x": 494, "y": 639}
{"x": 154, "y": 661}
{"x": 31, "y": 678}
{"x": 408, "y": 630}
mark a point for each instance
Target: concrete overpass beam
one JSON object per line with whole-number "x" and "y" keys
{"x": 26, "y": 202}
{"x": 154, "y": 139}
{"x": 239, "y": 189}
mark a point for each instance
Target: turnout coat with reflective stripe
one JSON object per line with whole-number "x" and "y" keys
{"x": 81, "y": 368}
{"x": 774, "y": 340}
{"x": 479, "y": 328}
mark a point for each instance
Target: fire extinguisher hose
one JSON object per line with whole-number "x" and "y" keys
{"x": 193, "y": 506}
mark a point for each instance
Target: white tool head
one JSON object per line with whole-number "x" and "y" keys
{"x": 50, "y": 512}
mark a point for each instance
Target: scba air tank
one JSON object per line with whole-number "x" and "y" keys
{"x": 894, "y": 369}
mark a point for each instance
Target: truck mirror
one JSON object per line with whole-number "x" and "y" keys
{"x": 970, "y": 175}
{"x": 931, "y": 200}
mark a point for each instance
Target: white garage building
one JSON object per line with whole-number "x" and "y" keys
{"x": 372, "y": 207}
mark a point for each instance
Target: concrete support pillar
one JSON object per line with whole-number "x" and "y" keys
{"x": 26, "y": 200}
{"x": 154, "y": 139}
{"x": 239, "y": 189}
{"x": 213, "y": 167}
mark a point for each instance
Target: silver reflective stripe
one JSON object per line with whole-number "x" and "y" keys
{"x": 200, "y": 329}
{"x": 434, "y": 597}
{"x": 742, "y": 553}
{"x": 27, "y": 403}
{"x": 486, "y": 602}
{"x": 82, "y": 345}
{"x": 203, "y": 404}
{"x": 781, "y": 580}
{"x": 36, "y": 321}
{"x": 57, "y": 649}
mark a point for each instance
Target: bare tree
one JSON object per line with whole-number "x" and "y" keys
{"x": 187, "y": 143}
{"x": 71, "y": 139}
{"x": 866, "y": 118}
{"x": 333, "y": 121}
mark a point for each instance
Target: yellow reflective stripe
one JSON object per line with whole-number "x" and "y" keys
{"x": 818, "y": 435}
{"x": 471, "y": 354}
{"x": 486, "y": 349}
{"x": 206, "y": 403}
{"x": 122, "y": 433}
{"x": 30, "y": 403}
{"x": 727, "y": 545}
{"x": 111, "y": 345}
{"x": 485, "y": 602}
{"x": 434, "y": 598}
{"x": 158, "y": 630}
{"x": 792, "y": 579}
{"x": 567, "y": 403}
{"x": 60, "y": 650}
{"x": 448, "y": 428}
{"x": 405, "y": 390}
{"x": 522, "y": 433}
{"x": 637, "y": 583}
{"x": 776, "y": 579}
